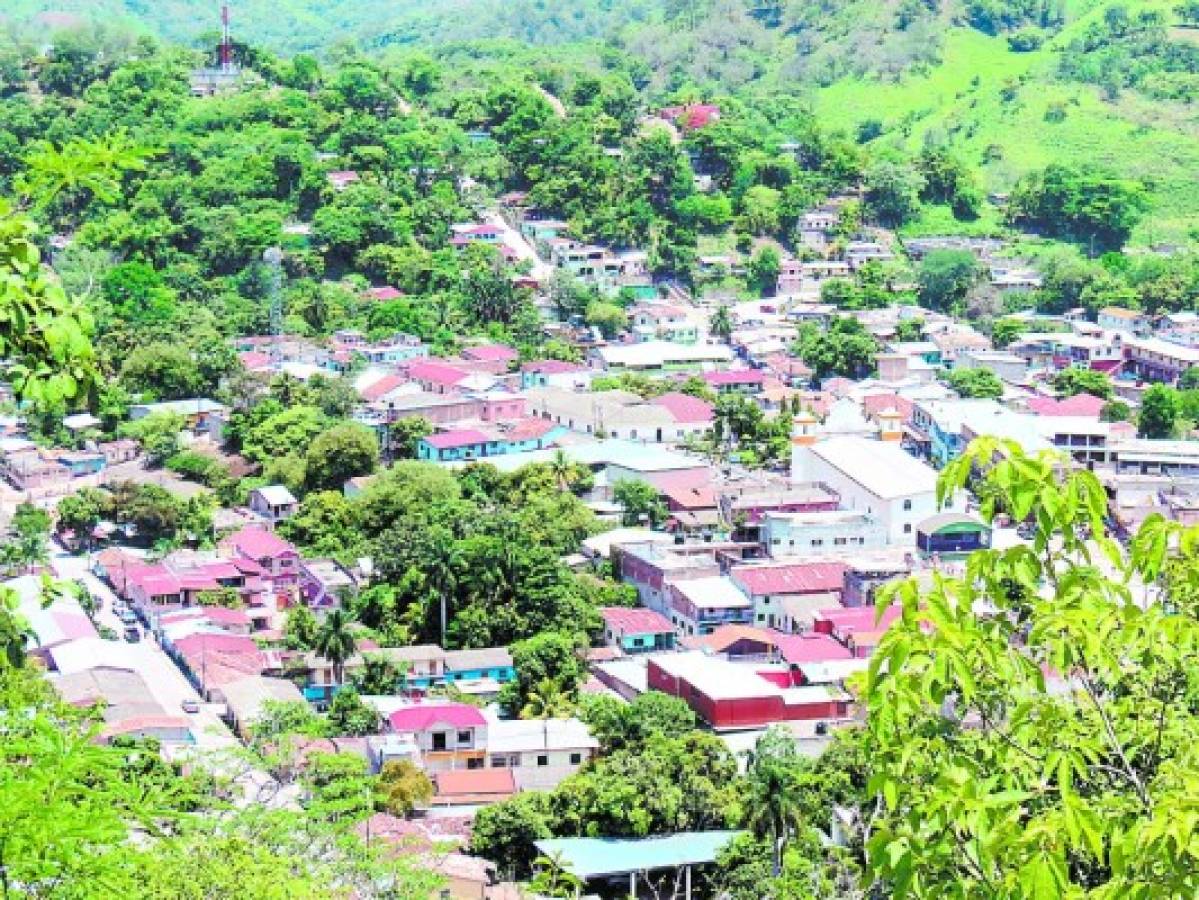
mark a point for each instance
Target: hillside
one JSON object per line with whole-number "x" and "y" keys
{"x": 1008, "y": 86}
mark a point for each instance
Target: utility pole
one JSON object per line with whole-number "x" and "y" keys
{"x": 226, "y": 49}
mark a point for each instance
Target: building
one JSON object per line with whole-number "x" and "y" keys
{"x": 274, "y": 503}
{"x": 879, "y": 478}
{"x": 520, "y": 436}
{"x": 448, "y": 735}
{"x": 952, "y": 533}
{"x": 948, "y": 426}
{"x": 785, "y": 596}
{"x": 663, "y": 356}
{"x": 636, "y": 629}
{"x": 669, "y": 418}
{"x": 1154, "y": 359}
{"x": 279, "y": 560}
{"x": 700, "y": 605}
{"x": 821, "y": 532}
{"x": 730, "y": 696}
{"x": 1129, "y": 321}
{"x": 200, "y": 415}
{"x": 662, "y": 322}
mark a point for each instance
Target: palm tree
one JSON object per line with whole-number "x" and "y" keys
{"x": 441, "y": 571}
{"x": 561, "y": 468}
{"x": 773, "y": 804}
{"x": 721, "y": 323}
{"x": 379, "y": 676}
{"x": 335, "y": 642}
{"x": 547, "y": 701}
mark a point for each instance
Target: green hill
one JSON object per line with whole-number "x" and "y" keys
{"x": 1010, "y": 85}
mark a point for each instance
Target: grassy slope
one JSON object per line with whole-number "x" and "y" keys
{"x": 1133, "y": 136}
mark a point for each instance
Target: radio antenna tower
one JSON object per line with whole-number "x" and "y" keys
{"x": 226, "y": 50}
{"x": 273, "y": 257}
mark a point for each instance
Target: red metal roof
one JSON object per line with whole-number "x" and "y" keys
{"x": 496, "y": 782}
{"x": 420, "y": 718}
{"x": 810, "y": 647}
{"x": 382, "y": 387}
{"x": 735, "y": 376}
{"x": 1086, "y": 405}
{"x": 800, "y": 578}
{"x": 684, "y": 408}
{"x": 491, "y": 353}
{"x": 258, "y": 543}
{"x": 636, "y": 620}
{"x": 437, "y": 373}
{"x": 460, "y": 437}
{"x": 857, "y": 618}
{"x": 385, "y": 293}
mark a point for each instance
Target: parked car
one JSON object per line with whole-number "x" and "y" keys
{"x": 133, "y": 634}
{"x": 191, "y": 706}
{"x": 128, "y": 616}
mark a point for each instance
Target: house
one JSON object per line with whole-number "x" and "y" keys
{"x": 1154, "y": 359}
{"x": 821, "y": 532}
{"x": 325, "y": 582}
{"x": 636, "y": 629}
{"x": 341, "y": 180}
{"x": 126, "y": 704}
{"x": 736, "y": 381}
{"x": 279, "y": 560}
{"x": 274, "y": 503}
{"x": 784, "y": 596}
{"x": 691, "y": 116}
{"x": 662, "y": 321}
{"x": 200, "y": 414}
{"x": 448, "y": 735}
{"x": 539, "y": 753}
{"x": 472, "y": 787}
{"x": 878, "y": 478}
{"x": 663, "y": 356}
{"x": 555, "y": 373}
{"x": 1129, "y": 321}
{"x": 950, "y": 426}
{"x": 383, "y": 294}
{"x": 700, "y": 605}
{"x": 247, "y": 698}
{"x": 729, "y": 695}
{"x": 459, "y": 444}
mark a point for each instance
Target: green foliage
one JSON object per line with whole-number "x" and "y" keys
{"x": 975, "y": 383}
{"x": 640, "y": 502}
{"x": 1055, "y": 791}
{"x": 618, "y": 725}
{"x": 1085, "y": 205}
{"x": 844, "y": 349}
{"x": 946, "y": 277}
{"x": 339, "y": 454}
{"x": 1158, "y": 416}
{"x": 349, "y": 715}
{"x": 403, "y": 787}
{"x": 1074, "y": 380}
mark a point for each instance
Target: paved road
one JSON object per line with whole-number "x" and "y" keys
{"x": 517, "y": 241}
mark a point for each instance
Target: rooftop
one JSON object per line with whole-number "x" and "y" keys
{"x": 799, "y": 578}
{"x": 713, "y": 592}
{"x": 636, "y": 620}
{"x": 882, "y": 468}
{"x": 594, "y": 857}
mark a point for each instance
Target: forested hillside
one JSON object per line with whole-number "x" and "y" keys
{"x": 1010, "y": 86}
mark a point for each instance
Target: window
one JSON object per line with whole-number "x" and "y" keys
{"x": 907, "y": 527}
{"x": 439, "y": 740}
{"x": 476, "y": 763}
{"x": 499, "y": 762}
{"x": 907, "y": 505}
{"x": 576, "y": 758}
{"x": 543, "y": 760}
{"x": 840, "y": 542}
{"x": 464, "y": 737}
{"x": 817, "y": 542}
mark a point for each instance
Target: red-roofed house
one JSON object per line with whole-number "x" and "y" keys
{"x": 437, "y": 377}
{"x": 255, "y": 360}
{"x": 379, "y": 391}
{"x": 342, "y": 179}
{"x": 684, "y": 408}
{"x": 858, "y": 628}
{"x": 473, "y": 786}
{"x": 383, "y": 294}
{"x": 692, "y": 116}
{"x": 787, "y": 597}
{"x": 491, "y": 353}
{"x": 744, "y": 381}
{"x": 1084, "y": 405}
{"x": 449, "y": 735}
{"x": 280, "y": 561}
{"x": 637, "y": 629}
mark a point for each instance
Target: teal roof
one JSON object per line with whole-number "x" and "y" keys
{"x": 596, "y": 857}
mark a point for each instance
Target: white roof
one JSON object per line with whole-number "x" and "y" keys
{"x": 247, "y": 697}
{"x": 276, "y": 495}
{"x": 1166, "y": 348}
{"x": 601, "y": 544}
{"x": 716, "y": 677}
{"x": 517, "y": 735}
{"x": 880, "y": 467}
{"x": 80, "y": 421}
{"x": 652, "y": 353}
{"x": 713, "y": 592}
{"x": 833, "y": 670}
{"x": 183, "y": 407}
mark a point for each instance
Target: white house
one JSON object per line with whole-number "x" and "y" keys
{"x": 879, "y": 478}
{"x": 273, "y": 502}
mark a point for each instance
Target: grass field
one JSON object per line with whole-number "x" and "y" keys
{"x": 1006, "y": 113}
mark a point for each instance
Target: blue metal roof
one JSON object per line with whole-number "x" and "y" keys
{"x": 595, "y": 857}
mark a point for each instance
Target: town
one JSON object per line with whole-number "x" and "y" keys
{"x": 533, "y": 551}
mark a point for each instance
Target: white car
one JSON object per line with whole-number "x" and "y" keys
{"x": 191, "y": 706}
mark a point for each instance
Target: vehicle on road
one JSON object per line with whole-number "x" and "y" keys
{"x": 133, "y": 634}
{"x": 191, "y": 706}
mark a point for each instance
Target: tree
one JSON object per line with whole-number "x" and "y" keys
{"x": 505, "y": 832}
{"x": 609, "y": 318}
{"x": 1075, "y": 380}
{"x": 158, "y": 433}
{"x": 300, "y": 628}
{"x": 1005, "y": 331}
{"x": 945, "y": 277}
{"x": 335, "y": 642}
{"x": 893, "y": 192}
{"x": 1159, "y": 412}
{"x": 81, "y": 512}
{"x": 618, "y": 725}
{"x": 640, "y": 502}
{"x": 549, "y": 665}
{"x": 1189, "y": 381}
{"x": 991, "y": 780}
{"x": 403, "y": 787}
{"x": 378, "y": 676}
{"x": 343, "y": 452}
{"x": 227, "y": 598}
{"x": 547, "y": 700}
{"x": 406, "y": 435}
{"x": 1115, "y": 411}
{"x": 845, "y": 348}
{"x": 338, "y": 786}
{"x": 763, "y": 271}
{"x": 975, "y": 383}
{"x": 772, "y": 804}
{"x": 348, "y": 715}
{"x": 721, "y": 322}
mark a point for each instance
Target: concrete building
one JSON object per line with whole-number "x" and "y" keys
{"x": 876, "y": 477}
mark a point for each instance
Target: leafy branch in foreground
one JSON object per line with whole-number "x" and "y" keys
{"x": 1034, "y": 721}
